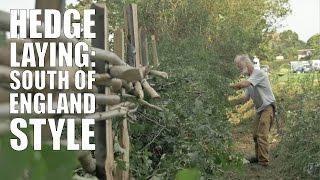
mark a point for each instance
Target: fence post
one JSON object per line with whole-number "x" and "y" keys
{"x": 48, "y": 4}
{"x": 51, "y": 4}
{"x": 124, "y": 134}
{"x": 143, "y": 46}
{"x": 155, "y": 59}
{"x": 103, "y": 129}
{"x": 132, "y": 33}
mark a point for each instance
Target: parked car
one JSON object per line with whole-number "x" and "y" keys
{"x": 306, "y": 68}
{"x": 298, "y": 69}
{"x": 300, "y": 66}
{"x": 315, "y": 65}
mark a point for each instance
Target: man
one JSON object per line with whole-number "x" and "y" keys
{"x": 258, "y": 88}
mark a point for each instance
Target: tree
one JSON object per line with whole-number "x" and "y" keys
{"x": 314, "y": 43}
{"x": 289, "y": 44}
{"x": 230, "y": 27}
{"x": 286, "y": 43}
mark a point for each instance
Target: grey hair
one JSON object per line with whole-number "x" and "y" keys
{"x": 242, "y": 59}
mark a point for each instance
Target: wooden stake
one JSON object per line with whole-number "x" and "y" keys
{"x": 124, "y": 134}
{"x": 125, "y": 144}
{"x": 155, "y": 59}
{"x": 60, "y": 6}
{"x": 132, "y": 33}
{"x": 143, "y": 46}
{"x": 103, "y": 128}
{"x": 119, "y": 43}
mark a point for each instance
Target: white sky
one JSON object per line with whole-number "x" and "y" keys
{"x": 305, "y": 17}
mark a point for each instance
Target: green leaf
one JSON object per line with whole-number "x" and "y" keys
{"x": 13, "y": 163}
{"x": 188, "y": 174}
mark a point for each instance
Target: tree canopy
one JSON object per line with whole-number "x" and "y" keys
{"x": 314, "y": 43}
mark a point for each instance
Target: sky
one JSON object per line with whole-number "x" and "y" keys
{"x": 304, "y": 19}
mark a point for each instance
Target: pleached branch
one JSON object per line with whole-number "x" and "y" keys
{"x": 101, "y": 116}
{"x": 116, "y": 85}
{"x": 152, "y": 106}
{"x": 138, "y": 90}
{"x": 127, "y": 73}
{"x": 128, "y": 86}
{"x": 86, "y": 160}
{"x": 142, "y": 102}
{"x": 159, "y": 74}
{"x": 149, "y": 89}
{"x": 127, "y": 104}
{"x": 107, "y": 99}
{"x": 102, "y": 79}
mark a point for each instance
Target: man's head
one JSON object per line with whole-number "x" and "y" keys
{"x": 244, "y": 64}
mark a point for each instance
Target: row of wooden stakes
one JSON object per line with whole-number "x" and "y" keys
{"x": 128, "y": 86}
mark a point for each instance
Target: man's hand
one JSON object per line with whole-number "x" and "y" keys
{"x": 240, "y": 85}
{"x": 235, "y": 86}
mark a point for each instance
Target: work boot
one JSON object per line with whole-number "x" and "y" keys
{"x": 253, "y": 160}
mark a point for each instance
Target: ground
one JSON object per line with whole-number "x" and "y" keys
{"x": 242, "y": 135}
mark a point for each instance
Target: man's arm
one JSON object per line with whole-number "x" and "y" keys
{"x": 241, "y": 85}
{"x": 239, "y": 99}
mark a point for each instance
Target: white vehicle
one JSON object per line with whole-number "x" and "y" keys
{"x": 295, "y": 65}
{"x": 315, "y": 64}
{"x": 300, "y": 66}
